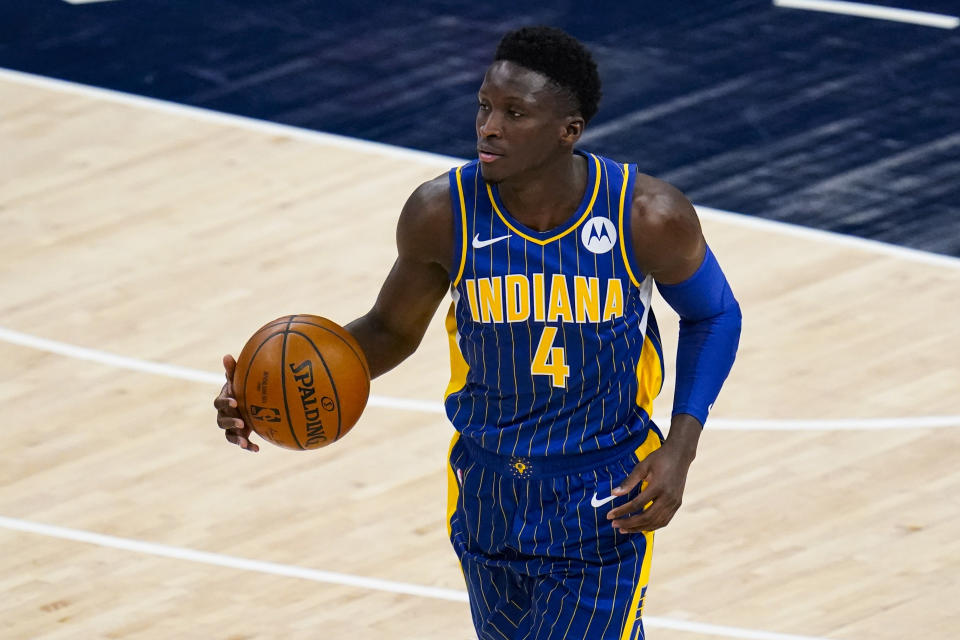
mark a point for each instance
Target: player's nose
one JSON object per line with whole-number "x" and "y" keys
{"x": 490, "y": 126}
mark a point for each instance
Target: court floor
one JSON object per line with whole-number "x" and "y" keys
{"x": 142, "y": 241}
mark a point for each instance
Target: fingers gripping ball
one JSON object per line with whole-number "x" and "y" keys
{"x": 301, "y": 382}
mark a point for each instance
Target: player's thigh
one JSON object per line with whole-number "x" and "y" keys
{"x": 478, "y": 523}
{"x": 600, "y": 602}
{"x": 499, "y": 600}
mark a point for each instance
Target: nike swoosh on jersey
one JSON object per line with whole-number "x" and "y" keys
{"x": 595, "y": 502}
{"x": 480, "y": 244}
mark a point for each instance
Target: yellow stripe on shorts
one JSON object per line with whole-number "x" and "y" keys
{"x": 651, "y": 444}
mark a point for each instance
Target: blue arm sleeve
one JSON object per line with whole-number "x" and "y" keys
{"x": 710, "y": 321}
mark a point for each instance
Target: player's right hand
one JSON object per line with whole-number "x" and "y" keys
{"x": 228, "y": 415}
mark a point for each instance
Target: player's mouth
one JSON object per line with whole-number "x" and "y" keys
{"x": 488, "y": 155}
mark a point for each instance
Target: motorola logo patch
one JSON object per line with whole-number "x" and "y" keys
{"x": 598, "y": 235}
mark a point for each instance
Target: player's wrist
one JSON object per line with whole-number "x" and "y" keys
{"x": 683, "y": 437}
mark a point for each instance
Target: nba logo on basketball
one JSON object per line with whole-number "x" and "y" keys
{"x": 267, "y": 414}
{"x": 599, "y": 235}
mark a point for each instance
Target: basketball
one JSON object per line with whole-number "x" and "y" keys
{"x": 301, "y": 382}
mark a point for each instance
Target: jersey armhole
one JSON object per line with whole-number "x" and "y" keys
{"x": 623, "y": 224}
{"x": 458, "y": 207}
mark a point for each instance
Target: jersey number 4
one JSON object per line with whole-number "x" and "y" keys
{"x": 550, "y": 360}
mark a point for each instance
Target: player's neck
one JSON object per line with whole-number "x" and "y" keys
{"x": 546, "y": 198}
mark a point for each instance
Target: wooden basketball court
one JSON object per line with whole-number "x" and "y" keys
{"x": 823, "y": 503}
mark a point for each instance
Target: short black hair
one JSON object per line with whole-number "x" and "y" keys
{"x": 559, "y": 56}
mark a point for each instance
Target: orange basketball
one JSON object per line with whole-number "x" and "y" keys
{"x": 301, "y": 382}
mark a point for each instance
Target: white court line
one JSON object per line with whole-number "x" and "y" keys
{"x": 440, "y": 161}
{"x": 437, "y": 160}
{"x": 718, "y": 424}
{"x": 230, "y": 120}
{"x": 860, "y": 9}
{"x": 330, "y": 577}
{"x": 174, "y": 371}
{"x": 233, "y": 562}
{"x": 839, "y": 424}
{"x": 819, "y": 235}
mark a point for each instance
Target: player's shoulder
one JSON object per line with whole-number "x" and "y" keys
{"x": 434, "y": 192}
{"x": 657, "y": 203}
{"x": 664, "y": 226}
{"x": 429, "y": 202}
{"x": 425, "y": 228}
{"x": 654, "y": 202}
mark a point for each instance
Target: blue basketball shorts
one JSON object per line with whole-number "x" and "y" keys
{"x": 539, "y": 556}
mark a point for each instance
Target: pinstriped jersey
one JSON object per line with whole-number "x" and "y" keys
{"x": 553, "y": 347}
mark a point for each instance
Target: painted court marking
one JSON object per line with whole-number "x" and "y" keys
{"x": 722, "y": 424}
{"x": 862, "y": 10}
{"x": 440, "y": 161}
{"x": 184, "y": 373}
{"x": 432, "y": 159}
{"x": 330, "y": 577}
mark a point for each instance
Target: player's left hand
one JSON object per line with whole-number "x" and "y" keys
{"x": 662, "y": 476}
{"x": 228, "y": 415}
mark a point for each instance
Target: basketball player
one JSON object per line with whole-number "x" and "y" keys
{"x": 557, "y": 475}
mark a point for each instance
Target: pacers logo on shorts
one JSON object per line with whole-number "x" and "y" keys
{"x": 521, "y": 467}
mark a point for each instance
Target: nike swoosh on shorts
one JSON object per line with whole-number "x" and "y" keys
{"x": 596, "y": 502}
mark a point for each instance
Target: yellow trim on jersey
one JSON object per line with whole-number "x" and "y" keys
{"x": 649, "y": 376}
{"x": 623, "y": 241}
{"x": 463, "y": 228}
{"x": 651, "y": 444}
{"x": 458, "y": 364}
{"x": 453, "y": 486}
{"x": 586, "y": 212}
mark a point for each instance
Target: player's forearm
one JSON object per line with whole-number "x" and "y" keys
{"x": 710, "y": 321}
{"x": 706, "y": 350}
{"x": 384, "y": 347}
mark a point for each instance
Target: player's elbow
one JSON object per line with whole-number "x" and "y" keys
{"x": 734, "y": 315}
{"x": 384, "y": 342}
{"x": 732, "y": 321}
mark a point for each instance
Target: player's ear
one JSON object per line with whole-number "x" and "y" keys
{"x": 572, "y": 129}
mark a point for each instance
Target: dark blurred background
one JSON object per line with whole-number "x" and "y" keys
{"x": 841, "y": 123}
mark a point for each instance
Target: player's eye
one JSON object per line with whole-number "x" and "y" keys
{"x": 483, "y": 106}
{"x": 515, "y": 114}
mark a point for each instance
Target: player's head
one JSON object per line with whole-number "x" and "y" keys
{"x": 536, "y": 97}
{"x": 562, "y": 59}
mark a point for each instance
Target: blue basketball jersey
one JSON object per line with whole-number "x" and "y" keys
{"x": 553, "y": 347}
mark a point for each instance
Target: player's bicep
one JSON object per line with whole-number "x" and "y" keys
{"x": 419, "y": 277}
